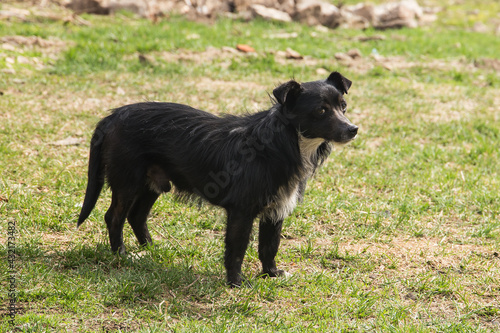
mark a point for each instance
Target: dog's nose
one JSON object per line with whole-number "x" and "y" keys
{"x": 353, "y": 129}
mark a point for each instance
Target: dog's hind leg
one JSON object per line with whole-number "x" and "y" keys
{"x": 115, "y": 218}
{"x": 138, "y": 215}
{"x": 269, "y": 241}
{"x": 239, "y": 227}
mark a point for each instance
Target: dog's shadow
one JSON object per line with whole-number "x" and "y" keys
{"x": 145, "y": 275}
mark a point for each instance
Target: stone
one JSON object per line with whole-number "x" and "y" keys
{"x": 209, "y": 8}
{"x": 352, "y": 21}
{"x": 8, "y": 12}
{"x": 144, "y": 8}
{"x": 316, "y": 12}
{"x": 287, "y": 6}
{"x": 292, "y": 54}
{"x": 354, "y": 53}
{"x": 322, "y": 71}
{"x": 270, "y": 14}
{"x": 403, "y": 13}
{"x": 365, "y": 10}
{"x": 88, "y": 6}
{"x": 400, "y": 14}
{"x": 140, "y": 8}
{"x": 397, "y": 15}
{"x": 342, "y": 57}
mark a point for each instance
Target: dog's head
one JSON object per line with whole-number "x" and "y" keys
{"x": 317, "y": 109}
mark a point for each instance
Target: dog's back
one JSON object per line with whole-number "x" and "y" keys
{"x": 217, "y": 158}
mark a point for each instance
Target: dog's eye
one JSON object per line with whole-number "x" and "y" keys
{"x": 343, "y": 104}
{"x": 321, "y": 112}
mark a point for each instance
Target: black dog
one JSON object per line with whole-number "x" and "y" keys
{"x": 253, "y": 166}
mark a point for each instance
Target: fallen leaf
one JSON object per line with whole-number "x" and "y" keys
{"x": 245, "y": 48}
{"x": 67, "y": 142}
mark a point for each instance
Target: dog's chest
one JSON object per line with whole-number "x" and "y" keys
{"x": 309, "y": 153}
{"x": 285, "y": 200}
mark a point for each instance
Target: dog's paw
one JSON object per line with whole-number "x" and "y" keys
{"x": 276, "y": 273}
{"x": 241, "y": 284}
{"x": 234, "y": 284}
{"x": 238, "y": 281}
{"x": 121, "y": 251}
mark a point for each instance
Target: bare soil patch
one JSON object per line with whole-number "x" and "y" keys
{"x": 50, "y": 48}
{"x": 52, "y": 44}
{"x": 362, "y": 64}
{"x": 419, "y": 253}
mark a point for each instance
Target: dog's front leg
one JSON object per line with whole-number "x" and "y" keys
{"x": 239, "y": 227}
{"x": 269, "y": 241}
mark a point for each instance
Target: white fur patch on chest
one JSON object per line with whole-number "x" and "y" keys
{"x": 286, "y": 199}
{"x": 308, "y": 151}
{"x": 283, "y": 203}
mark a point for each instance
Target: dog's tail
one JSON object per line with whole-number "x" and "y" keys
{"x": 95, "y": 172}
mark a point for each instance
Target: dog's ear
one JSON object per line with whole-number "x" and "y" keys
{"x": 339, "y": 81}
{"x": 287, "y": 92}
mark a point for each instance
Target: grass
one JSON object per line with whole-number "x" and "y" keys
{"x": 399, "y": 231}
